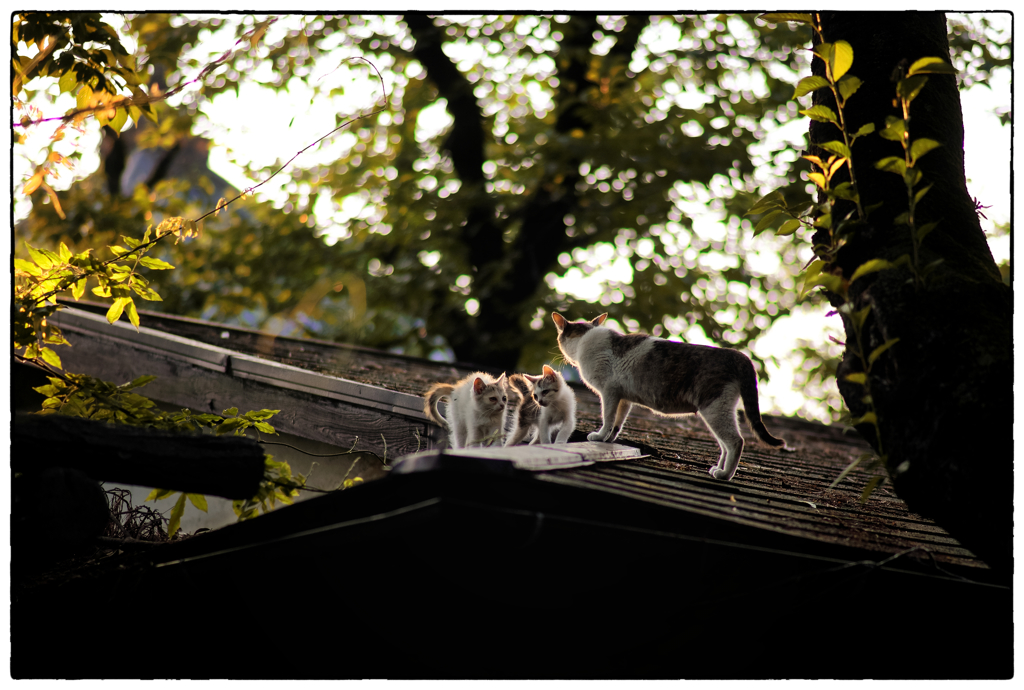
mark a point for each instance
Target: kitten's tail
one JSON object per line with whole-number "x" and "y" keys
{"x": 432, "y": 397}
{"x": 748, "y": 392}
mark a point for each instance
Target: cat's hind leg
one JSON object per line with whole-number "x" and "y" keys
{"x": 613, "y": 413}
{"x": 720, "y": 418}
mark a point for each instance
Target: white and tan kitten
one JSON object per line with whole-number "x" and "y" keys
{"x": 557, "y": 406}
{"x": 668, "y": 377}
{"x": 476, "y": 406}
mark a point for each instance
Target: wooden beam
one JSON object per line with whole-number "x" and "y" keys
{"x": 228, "y": 466}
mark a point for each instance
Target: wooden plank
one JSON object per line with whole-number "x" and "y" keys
{"x": 185, "y": 384}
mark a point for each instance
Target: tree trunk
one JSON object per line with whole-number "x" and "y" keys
{"x": 944, "y": 393}
{"x": 508, "y": 274}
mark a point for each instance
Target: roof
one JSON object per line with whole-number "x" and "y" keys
{"x": 776, "y": 493}
{"x": 626, "y": 560}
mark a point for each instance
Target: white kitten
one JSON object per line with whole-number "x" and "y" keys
{"x": 668, "y": 377}
{"x": 557, "y": 406}
{"x": 476, "y": 406}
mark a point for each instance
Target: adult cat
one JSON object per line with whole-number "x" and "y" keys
{"x": 669, "y": 378}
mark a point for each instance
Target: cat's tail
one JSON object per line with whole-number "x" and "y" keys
{"x": 432, "y": 397}
{"x": 748, "y": 393}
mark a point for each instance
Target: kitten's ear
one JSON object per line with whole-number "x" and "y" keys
{"x": 501, "y": 379}
{"x": 559, "y": 320}
{"x": 548, "y": 371}
{"x": 532, "y": 379}
{"x": 479, "y": 385}
{"x": 599, "y": 320}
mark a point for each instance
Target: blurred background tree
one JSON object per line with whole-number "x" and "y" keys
{"x": 523, "y": 164}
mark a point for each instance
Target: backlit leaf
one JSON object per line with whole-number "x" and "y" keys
{"x": 820, "y": 113}
{"x": 848, "y": 86}
{"x": 809, "y": 84}
{"x": 858, "y": 377}
{"x": 931, "y": 65}
{"x": 841, "y": 59}
{"x": 199, "y": 501}
{"x": 836, "y": 147}
{"x": 877, "y": 352}
{"x": 175, "y": 519}
{"x": 919, "y": 147}
{"x": 907, "y": 89}
{"x": 114, "y": 313}
{"x": 51, "y": 358}
{"x": 870, "y": 267}
{"x": 789, "y": 227}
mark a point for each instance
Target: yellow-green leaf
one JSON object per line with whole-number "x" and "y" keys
{"x": 68, "y": 81}
{"x": 51, "y": 358}
{"x": 920, "y": 147}
{"x": 159, "y": 494}
{"x": 871, "y": 486}
{"x": 841, "y": 59}
{"x": 114, "y": 313}
{"x": 199, "y": 501}
{"x": 877, "y": 352}
{"x": 133, "y": 315}
{"x": 176, "y": 513}
{"x": 870, "y": 267}
{"x": 789, "y": 227}
{"x": 858, "y": 377}
{"x": 931, "y": 65}
{"x": 27, "y": 267}
{"x": 867, "y": 418}
{"x": 809, "y": 84}
{"x": 820, "y": 113}
{"x": 78, "y": 289}
{"x": 779, "y": 17}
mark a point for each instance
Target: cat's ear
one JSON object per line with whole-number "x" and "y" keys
{"x": 599, "y": 320}
{"x": 548, "y": 371}
{"x": 532, "y": 379}
{"x": 501, "y": 379}
{"x": 479, "y": 385}
{"x": 559, "y": 320}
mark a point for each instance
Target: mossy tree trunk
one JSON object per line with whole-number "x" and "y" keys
{"x": 944, "y": 393}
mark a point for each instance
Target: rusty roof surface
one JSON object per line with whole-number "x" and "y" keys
{"x": 781, "y": 492}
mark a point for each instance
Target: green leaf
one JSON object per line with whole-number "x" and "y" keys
{"x": 877, "y": 352}
{"x": 871, "y": 486}
{"x": 866, "y": 418}
{"x": 766, "y": 221}
{"x": 809, "y": 84}
{"x": 789, "y": 227}
{"x": 892, "y": 164}
{"x": 850, "y": 468}
{"x": 923, "y": 231}
{"x": 230, "y": 412}
{"x": 51, "y": 358}
{"x": 68, "y": 81}
{"x": 255, "y": 415}
{"x": 870, "y": 267}
{"x": 837, "y": 147}
{"x": 159, "y": 494}
{"x": 907, "y": 89}
{"x": 120, "y": 118}
{"x": 114, "y": 313}
{"x": 931, "y": 65}
{"x": 848, "y": 86}
{"x": 920, "y": 194}
{"x": 861, "y": 315}
{"x": 155, "y": 264}
{"x": 176, "y": 513}
{"x": 920, "y": 147}
{"x": 774, "y": 199}
{"x": 133, "y": 315}
{"x": 779, "y": 17}
{"x": 912, "y": 176}
{"x": 27, "y": 267}
{"x": 841, "y": 59}
{"x": 894, "y": 129}
{"x": 865, "y": 129}
{"x": 859, "y": 377}
{"x": 43, "y": 258}
{"x": 265, "y": 428}
{"x": 230, "y": 425}
{"x": 199, "y": 501}
{"x": 820, "y": 113}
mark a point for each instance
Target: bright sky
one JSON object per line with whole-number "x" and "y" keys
{"x": 242, "y": 126}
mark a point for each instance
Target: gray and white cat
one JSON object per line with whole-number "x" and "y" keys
{"x": 476, "y": 406}
{"x": 669, "y": 378}
{"x": 547, "y": 404}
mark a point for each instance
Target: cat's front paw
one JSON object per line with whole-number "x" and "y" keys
{"x": 719, "y": 474}
{"x": 595, "y": 436}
